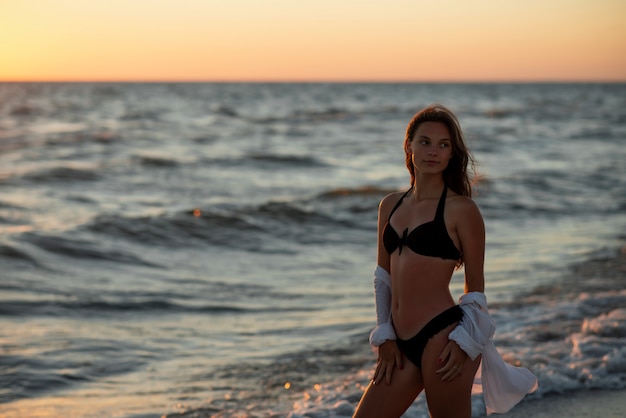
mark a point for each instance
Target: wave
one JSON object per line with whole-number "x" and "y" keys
{"x": 11, "y": 214}
{"x": 324, "y": 115}
{"x": 549, "y": 193}
{"x": 6, "y": 205}
{"x": 210, "y": 228}
{"x": 287, "y": 211}
{"x": 310, "y": 222}
{"x": 334, "y": 114}
{"x": 329, "y": 114}
{"x": 268, "y": 227}
{"x": 25, "y": 109}
{"x": 142, "y": 115}
{"x": 62, "y": 174}
{"x": 206, "y": 139}
{"x": 54, "y": 137}
{"x": 285, "y": 160}
{"x": 333, "y": 215}
{"x": 224, "y": 110}
{"x": 12, "y": 140}
{"x": 343, "y": 192}
{"x": 84, "y": 360}
{"x": 353, "y": 207}
{"x": 153, "y": 161}
{"x": 97, "y": 308}
{"x": 25, "y": 378}
{"x": 298, "y": 115}
{"x": 268, "y": 161}
{"x": 13, "y": 254}
{"x": 82, "y": 249}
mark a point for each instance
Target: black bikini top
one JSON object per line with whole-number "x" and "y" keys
{"x": 430, "y": 239}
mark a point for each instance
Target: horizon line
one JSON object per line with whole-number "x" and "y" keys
{"x": 314, "y": 81}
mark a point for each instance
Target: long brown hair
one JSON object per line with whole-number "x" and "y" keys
{"x": 455, "y": 176}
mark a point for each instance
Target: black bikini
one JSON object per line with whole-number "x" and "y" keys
{"x": 413, "y": 348}
{"x": 430, "y": 239}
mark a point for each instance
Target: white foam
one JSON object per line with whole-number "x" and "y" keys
{"x": 592, "y": 356}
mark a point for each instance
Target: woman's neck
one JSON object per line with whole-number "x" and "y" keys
{"x": 427, "y": 187}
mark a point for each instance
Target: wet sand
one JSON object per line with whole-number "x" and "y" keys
{"x": 587, "y": 404}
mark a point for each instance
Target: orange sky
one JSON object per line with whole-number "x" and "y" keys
{"x": 313, "y": 40}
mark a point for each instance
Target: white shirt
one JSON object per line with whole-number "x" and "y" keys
{"x": 503, "y": 385}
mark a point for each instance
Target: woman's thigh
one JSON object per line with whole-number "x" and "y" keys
{"x": 451, "y": 398}
{"x": 391, "y": 400}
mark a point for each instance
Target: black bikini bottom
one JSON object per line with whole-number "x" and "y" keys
{"x": 413, "y": 348}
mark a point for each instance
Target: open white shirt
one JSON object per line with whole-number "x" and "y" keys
{"x": 503, "y": 385}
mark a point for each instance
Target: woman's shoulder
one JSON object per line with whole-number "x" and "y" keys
{"x": 389, "y": 201}
{"x": 463, "y": 207}
{"x": 463, "y": 211}
{"x": 392, "y": 198}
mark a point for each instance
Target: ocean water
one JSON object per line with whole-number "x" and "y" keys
{"x": 207, "y": 249}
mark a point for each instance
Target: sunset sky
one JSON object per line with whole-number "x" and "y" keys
{"x": 306, "y": 40}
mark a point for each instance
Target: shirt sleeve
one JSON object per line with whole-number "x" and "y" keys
{"x": 382, "y": 293}
{"x": 503, "y": 385}
{"x": 476, "y": 328}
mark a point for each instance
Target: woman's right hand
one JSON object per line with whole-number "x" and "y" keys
{"x": 389, "y": 356}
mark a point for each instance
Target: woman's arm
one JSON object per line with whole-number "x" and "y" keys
{"x": 470, "y": 230}
{"x": 389, "y": 355}
{"x": 384, "y": 207}
{"x": 382, "y": 285}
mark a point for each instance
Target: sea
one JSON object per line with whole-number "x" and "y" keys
{"x": 207, "y": 249}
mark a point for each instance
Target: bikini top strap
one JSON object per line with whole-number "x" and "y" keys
{"x": 442, "y": 203}
{"x": 398, "y": 204}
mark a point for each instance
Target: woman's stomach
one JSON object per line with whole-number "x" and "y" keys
{"x": 419, "y": 292}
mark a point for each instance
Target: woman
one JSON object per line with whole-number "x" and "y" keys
{"x": 424, "y": 340}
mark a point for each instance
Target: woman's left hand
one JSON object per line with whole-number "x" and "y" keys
{"x": 453, "y": 359}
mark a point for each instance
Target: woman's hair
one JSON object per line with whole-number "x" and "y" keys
{"x": 455, "y": 176}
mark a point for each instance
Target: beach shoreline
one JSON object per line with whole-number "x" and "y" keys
{"x": 600, "y": 273}
{"x": 581, "y": 404}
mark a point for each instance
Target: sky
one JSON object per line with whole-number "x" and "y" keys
{"x": 313, "y": 40}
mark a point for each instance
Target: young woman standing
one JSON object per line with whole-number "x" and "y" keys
{"x": 425, "y": 341}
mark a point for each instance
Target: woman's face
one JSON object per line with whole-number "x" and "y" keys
{"x": 431, "y": 147}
